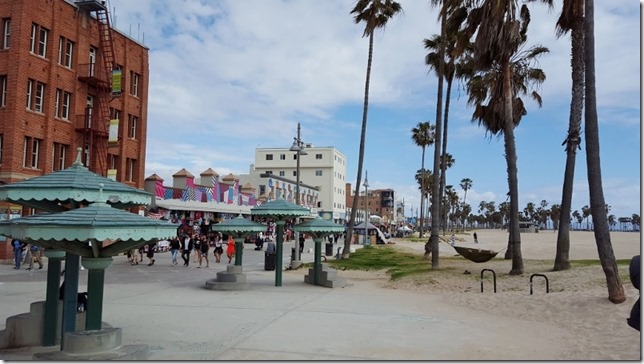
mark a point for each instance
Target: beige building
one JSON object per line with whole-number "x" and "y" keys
{"x": 322, "y": 169}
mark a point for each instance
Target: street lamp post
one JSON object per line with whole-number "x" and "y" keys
{"x": 298, "y": 148}
{"x": 366, "y": 207}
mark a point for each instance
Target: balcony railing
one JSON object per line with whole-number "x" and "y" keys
{"x": 93, "y": 74}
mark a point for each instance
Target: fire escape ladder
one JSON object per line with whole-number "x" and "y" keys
{"x": 104, "y": 96}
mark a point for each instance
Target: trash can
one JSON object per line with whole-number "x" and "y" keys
{"x": 269, "y": 261}
{"x": 328, "y": 249}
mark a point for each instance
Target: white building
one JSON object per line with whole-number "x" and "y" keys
{"x": 322, "y": 167}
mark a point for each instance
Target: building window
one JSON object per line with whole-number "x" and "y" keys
{"x": 38, "y": 44}
{"x": 31, "y": 152}
{"x": 319, "y": 204}
{"x": 269, "y": 157}
{"x": 63, "y": 104}
{"x": 134, "y": 83}
{"x": 269, "y": 172}
{"x": 294, "y": 173}
{"x": 87, "y": 155}
{"x": 65, "y": 52}
{"x": 282, "y": 157}
{"x": 3, "y": 90}
{"x": 6, "y": 33}
{"x": 132, "y": 122}
{"x": 35, "y": 95}
{"x": 130, "y": 169}
{"x": 282, "y": 174}
{"x": 113, "y": 161}
{"x": 318, "y": 173}
{"x": 318, "y": 156}
{"x": 59, "y": 155}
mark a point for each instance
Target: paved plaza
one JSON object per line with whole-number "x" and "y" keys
{"x": 168, "y": 308}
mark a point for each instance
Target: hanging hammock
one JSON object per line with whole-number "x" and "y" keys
{"x": 476, "y": 255}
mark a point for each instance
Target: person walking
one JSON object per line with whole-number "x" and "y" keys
{"x": 17, "y": 252}
{"x": 476, "y": 238}
{"x": 186, "y": 248}
{"x": 150, "y": 254}
{"x": 204, "y": 247}
{"x": 197, "y": 247}
{"x": 219, "y": 248}
{"x": 302, "y": 243}
{"x": 230, "y": 248}
{"x": 131, "y": 257}
{"x": 141, "y": 250}
{"x": 36, "y": 255}
{"x": 175, "y": 245}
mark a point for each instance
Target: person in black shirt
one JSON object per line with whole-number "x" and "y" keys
{"x": 186, "y": 248}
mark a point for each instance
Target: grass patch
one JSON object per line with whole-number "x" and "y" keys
{"x": 398, "y": 264}
{"x": 596, "y": 262}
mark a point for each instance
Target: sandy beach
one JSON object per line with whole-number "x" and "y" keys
{"x": 592, "y": 327}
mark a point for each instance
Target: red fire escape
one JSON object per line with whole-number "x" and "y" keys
{"x": 92, "y": 127}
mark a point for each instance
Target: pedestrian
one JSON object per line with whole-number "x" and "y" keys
{"x": 452, "y": 239}
{"x": 204, "y": 252}
{"x": 151, "y": 247}
{"x": 27, "y": 256}
{"x": 219, "y": 248}
{"x": 302, "y": 243}
{"x": 141, "y": 251}
{"x": 230, "y": 248}
{"x": 476, "y": 238}
{"x": 36, "y": 255}
{"x": 175, "y": 245}
{"x": 131, "y": 257}
{"x": 17, "y": 252}
{"x": 186, "y": 248}
{"x": 197, "y": 247}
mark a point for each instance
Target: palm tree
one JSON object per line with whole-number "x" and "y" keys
{"x": 423, "y": 135}
{"x": 571, "y": 20}
{"x": 555, "y": 216}
{"x": 466, "y": 184}
{"x": 375, "y": 14}
{"x": 504, "y": 71}
{"x": 597, "y": 203}
{"x": 585, "y": 212}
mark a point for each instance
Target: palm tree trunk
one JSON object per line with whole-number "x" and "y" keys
{"x": 436, "y": 200}
{"x": 422, "y": 193}
{"x": 616, "y": 292}
{"x": 514, "y": 240}
{"x": 363, "y": 132}
{"x": 572, "y": 143}
{"x": 444, "y": 152}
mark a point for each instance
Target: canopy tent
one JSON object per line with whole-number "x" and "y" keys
{"x": 60, "y": 191}
{"x": 98, "y": 223}
{"x": 76, "y": 184}
{"x": 280, "y": 210}
{"x": 238, "y": 228}
{"x": 318, "y": 228}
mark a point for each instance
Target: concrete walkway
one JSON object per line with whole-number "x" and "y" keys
{"x": 168, "y": 308}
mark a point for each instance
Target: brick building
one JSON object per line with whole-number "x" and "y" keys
{"x": 378, "y": 202}
{"x": 67, "y": 81}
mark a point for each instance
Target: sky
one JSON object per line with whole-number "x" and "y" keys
{"x": 227, "y": 77}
